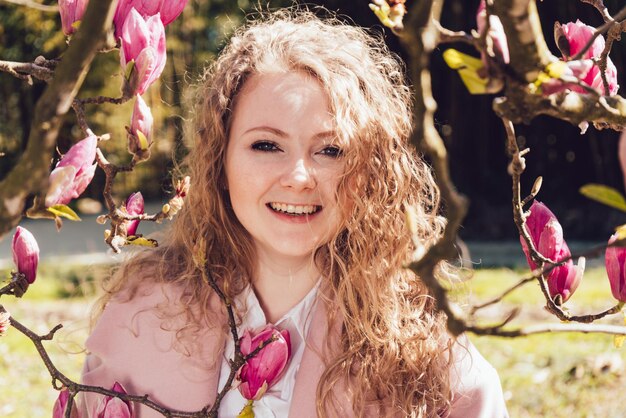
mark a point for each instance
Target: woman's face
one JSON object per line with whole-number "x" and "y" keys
{"x": 283, "y": 165}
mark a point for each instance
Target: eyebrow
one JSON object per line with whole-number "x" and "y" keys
{"x": 283, "y": 134}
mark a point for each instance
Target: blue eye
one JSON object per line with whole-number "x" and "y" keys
{"x": 331, "y": 151}
{"x": 265, "y": 146}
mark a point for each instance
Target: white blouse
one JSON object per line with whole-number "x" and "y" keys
{"x": 276, "y": 401}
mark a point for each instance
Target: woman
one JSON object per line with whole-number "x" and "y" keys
{"x": 301, "y": 174}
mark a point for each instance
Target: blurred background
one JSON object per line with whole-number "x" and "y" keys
{"x": 569, "y": 375}
{"x": 474, "y": 135}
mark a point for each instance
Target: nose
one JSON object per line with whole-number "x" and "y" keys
{"x": 299, "y": 175}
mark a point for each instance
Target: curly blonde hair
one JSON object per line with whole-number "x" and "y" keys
{"x": 393, "y": 339}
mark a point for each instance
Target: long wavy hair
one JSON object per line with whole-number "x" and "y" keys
{"x": 393, "y": 350}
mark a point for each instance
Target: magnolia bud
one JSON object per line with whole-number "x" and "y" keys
{"x": 260, "y": 372}
{"x": 25, "y": 253}
{"x": 61, "y": 403}
{"x": 72, "y": 12}
{"x": 140, "y": 132}
{"x": 614, "y": 260}
{"x": 134, "y": 206}
{"x": 115, "y": 407}
{"x": 73, "y": 173}
{"x": 547, "y": 236}
{"x": 142, "y": 52}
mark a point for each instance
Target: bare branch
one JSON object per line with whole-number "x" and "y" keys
{"x": 611, "y": 22}
{"x": 30, "y": 174}
{"x": 34, "y": 5}
{"x": 26, "y": 70}
{"x": 549, "y": 328}
{"x": 448, "y": 36}
{"x": 519, "y": 106}
{"x": 599, "y": 4}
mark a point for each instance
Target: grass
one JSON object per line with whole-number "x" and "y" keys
{"x": 550, "y": 375}
{"x": 566, "y": 375}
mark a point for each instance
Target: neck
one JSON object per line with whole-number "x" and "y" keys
{"x": 279, "y": 286}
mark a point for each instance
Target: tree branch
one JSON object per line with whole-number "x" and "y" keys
{"x": 34, "y": 5}
{"x": 30, "y": 174}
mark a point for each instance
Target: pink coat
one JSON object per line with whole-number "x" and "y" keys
{"x": 130, "y": 346}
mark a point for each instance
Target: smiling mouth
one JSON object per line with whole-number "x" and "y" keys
{"x": 294, "y": 210}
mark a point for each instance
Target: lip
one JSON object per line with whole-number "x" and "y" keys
{"x": 296, "y": 219}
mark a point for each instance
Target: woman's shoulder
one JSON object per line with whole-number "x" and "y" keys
{"x": 137, "y": 343}
{"x": 476, "y": 387}
{"x": 131, "y": 313}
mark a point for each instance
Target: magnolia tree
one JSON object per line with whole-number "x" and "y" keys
{"x": 578, "y": 85}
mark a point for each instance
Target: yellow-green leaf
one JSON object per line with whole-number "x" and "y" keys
{"x": 130, "y": 66}
{"x": 141, "y": 241}
{"x": 247, "y": 411}
{"x": 621, "y": 232}
{"x": 556, "y": 69}
{"x": 143, "y": 141}
{"x": 605, "y": 195}
{"x": 64, "y": 211}
{"x": 458, "y": 60}
{"x": 468, "y": 67}
{"x": 618, "y": 340}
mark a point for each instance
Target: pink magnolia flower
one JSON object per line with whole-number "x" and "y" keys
{"x": 134, "y": 206}
{"x": 496, "y": 36}
{"x": 143, "y": 47}
{"x": 615, "y": 263}
{"x": 72, "y": 11}
{"x": 25, "y": 253}
{"x": 112, "y": 407}
{"x": 171, "y": 9}
{"x": 5, "y": 322}
{"x": 547, "y": 236}
{"x": 140, "y": 133}
{"x": 260, "y": 372}
{"x": 577, "y": 35}
{"x": 168, "y": 10}
{"x": 61, "y": 403}
{"x": 73, "y": 173}
{"x": 571, "y": 69}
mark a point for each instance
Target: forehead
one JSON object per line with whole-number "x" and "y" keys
{"x": 283, "y": 99}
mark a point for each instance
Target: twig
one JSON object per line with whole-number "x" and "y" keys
{"x": 17, "y": 287}
{"x": 238, "y": 360}
{"x": 599, "y": 4}
{"x": 116, "y": 237}
{"x": 600, "y": 31}
{"x": 448, "y": 36}
{"x": 591, "y": 253}
{"x": 34, "y": 5}
{"x": 60, "y": 381}
{"x": 516, "y": 168}
{"x": 548, "y": 328}
{"x": 499, "y": 298}
{"x": 26, "y": 70}
{"x": 30, "y": 173}
{"x": 102, "y": 99}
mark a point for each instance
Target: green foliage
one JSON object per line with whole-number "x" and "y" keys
{"x": 25, "y": 33}
{"x": 605, "y": 195}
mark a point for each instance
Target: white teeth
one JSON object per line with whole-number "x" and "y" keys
{"x": 294, "y": 209}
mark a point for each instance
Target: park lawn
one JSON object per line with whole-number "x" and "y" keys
{"x": 564, "y": 375}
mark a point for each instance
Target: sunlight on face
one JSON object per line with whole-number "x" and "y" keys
{"x": 283, "y": 164}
